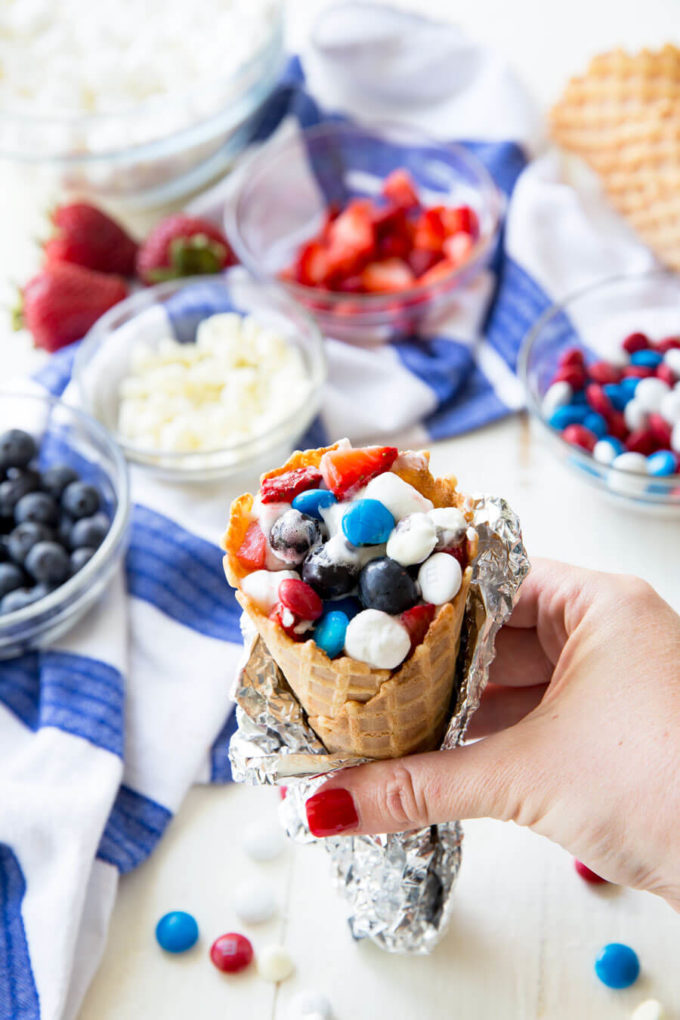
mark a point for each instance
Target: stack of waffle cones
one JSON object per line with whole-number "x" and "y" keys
{"x": 355, "y": 709}
{"x": 623, "y": 117}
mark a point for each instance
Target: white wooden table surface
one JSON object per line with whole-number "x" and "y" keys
{"x": 525, "y": 930}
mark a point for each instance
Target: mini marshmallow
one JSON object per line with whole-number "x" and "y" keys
{"x": 262, "y": 586}
{"x": 412, "y": 540}
{"x": 400, "y": 498}
{"x": 440, "y": 578}
{"x": 274, "y": 963}
{"x": 450, "y": 524}
{"x": 378, "y": 639}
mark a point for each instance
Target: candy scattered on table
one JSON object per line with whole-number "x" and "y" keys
{"x": 263, "y": 840}
{"x": 587, "y": 875}
{"x": 255, "y": 901}
{"x": 177, "y": 931}
{"x": 274, "y": 963}
{"x": 617, "y": 966}
{"x": 231, "y": 953}
{"x": 309, "y": 1004}
{"x": 650, "y": 1009}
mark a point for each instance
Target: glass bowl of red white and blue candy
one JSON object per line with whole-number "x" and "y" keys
{"x": 354, "y": 567}
{"x": 602, "y": 373}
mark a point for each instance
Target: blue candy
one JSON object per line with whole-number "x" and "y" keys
{"x": 617, "y": 966}
{"x": 616, "y": 444}
{"x": 617, "y": 396}
{"x": 367, "y": 522}
{"x": 648, "y": 359}
{"x": 176, "y": 932}
{"x": 311, "y": 501}
{"x": 349, "y": 606}
{"x": 329, "y": 632}
{"x": 579, "y": 398}
{"x": 596, "y": 423}
{"x": 569, "y": 415}
{"x": 628, "y": 386}
{"x": 661, "y": 463}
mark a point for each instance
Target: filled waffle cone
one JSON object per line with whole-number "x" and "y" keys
{"x": 354, "y": 708}
{"x": 623, "y": 118}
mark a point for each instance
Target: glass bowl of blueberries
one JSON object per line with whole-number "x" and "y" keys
{"x": 601, "y": 371}
{"x": 64, "y": 514}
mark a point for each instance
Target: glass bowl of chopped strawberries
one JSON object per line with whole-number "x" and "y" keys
{"x": 376, "y": 230}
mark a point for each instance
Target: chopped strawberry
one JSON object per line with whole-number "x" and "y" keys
{"x": 422, "y": 259}
{"x": 459, "y": 552}
{"x": 351, "y": 285}
{"x": 394, "y": 246}
{"x": 400, "y": 189}
{"x": 462, "y": 218}
{"x": 458, "y": 248}
{"x": 287, "y": 621}
{"x": 417, "y": 621}
{"x": 351, "y": 237}
{"x": 312, "y": 265}
{"x": 252, "y": 552}
{"x": 331, "y": 214}
{"x": 285, "y": 487}
{"x": 430, "y": 229}
{"x": 388, "y": 276}
{"x": 345, "y": 470}
{"x": 440, "y": 271}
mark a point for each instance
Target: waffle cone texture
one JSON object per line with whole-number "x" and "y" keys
{"x": 354, "y": 708}
{"x": 623, "y": 117}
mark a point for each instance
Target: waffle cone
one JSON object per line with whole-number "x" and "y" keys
{"x": 623, "y": 118}
{"x": 354, "y": 708}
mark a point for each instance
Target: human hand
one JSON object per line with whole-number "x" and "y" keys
{"x": 581, "y": 728}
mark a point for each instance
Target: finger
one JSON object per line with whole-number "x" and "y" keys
{"x": 520, "y": 659}
{"x": 423, "y": 789}
{"x": 502, "y": 707}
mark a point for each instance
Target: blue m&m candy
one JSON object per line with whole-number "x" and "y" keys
{"x": 617, "y": 395}
{"x": 617, "y": 966}
{"x": 596, "y": 423}
{"x": 330, "y": 631}
{"x": 367, "y": 522}
{"x": 628, "y": 387}
{"x": 311, "y": 502}
{"x": 177, "y": 931}
{"x": 648, "y": 359}
{"x": 570, "y": 414}
{"x": 349, "y": 605}
{"x": 661, "y": 463}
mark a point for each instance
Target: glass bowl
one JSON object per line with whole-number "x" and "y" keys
{"x": 282, "y": 197}
{"x": 67, "y": 435}
{"x": 596, "y": 320}
{"x": 157, "y": 150}
{"x": 175, "y": 309}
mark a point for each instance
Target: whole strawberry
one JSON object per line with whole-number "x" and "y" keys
{"x": 88, "y": 237}
{"x": 61, "y": 303}
{"x": 183, "y": 245}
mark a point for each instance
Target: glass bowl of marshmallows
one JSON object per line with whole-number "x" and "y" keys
{"x": 129, "y": 107}
{"x": 205, "y": 378}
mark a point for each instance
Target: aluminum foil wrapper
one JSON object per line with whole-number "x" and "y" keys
{"x": 399, "y": 886}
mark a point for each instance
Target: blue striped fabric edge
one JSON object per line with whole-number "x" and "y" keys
{"x": 220, "y": 766}
{"x": 133, "y": 829}
{"x": 19, "y": 998}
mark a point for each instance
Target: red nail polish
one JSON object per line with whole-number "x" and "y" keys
{"x": 330, "y": 812}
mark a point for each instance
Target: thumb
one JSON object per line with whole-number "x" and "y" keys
{"x": 423, "y": 789}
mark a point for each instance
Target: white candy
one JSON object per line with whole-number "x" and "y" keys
{"x": 274, "y": 963}
{"x": 378, "y": 639}
{"x": 634, "y": 414}
{"x": 625, "y": 474}
{"x": 649, "y": 393}
{"x": 263, "y": 840}
{"x": 675, "y": 438}
{"x": 412, "y": 540}
{"x": 440, "y": 578}
{"x": 255, "y": 902}
{"x": 604, "y": 452}
{"x": 556, "y": 396}
{"x": 672, "y": 359}
{"x": 450, "y": 524}
{"x": 400, "y": 498}
{"x": 262, "y": 586}
{"x": 650, "y": 1009}
{"x": 309, "y": 1004}
{"x": 670, "y": 407}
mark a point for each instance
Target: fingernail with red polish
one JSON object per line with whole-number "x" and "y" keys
{"x": 330, "y": 812}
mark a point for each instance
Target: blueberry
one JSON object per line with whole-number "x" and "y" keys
{"x": 17, "y": 449}
{"x": 11, "y": 577}
{"x": 4, "y": 549}
{"x": 89, "y": 531}
{"x": 48, "y": 562}
{"x": 56, "y": 478}
{"x": 38, "y": 507}
{"x": 80, "y": 499}
{"x": 292, "y": 536}
{"x": 22, "y": 597}
{"x": 385, "y": 585}
{"x": 328, "y": 577}
{"x": 15, "y": 486}
{"x": 24, "y": 537}
{"x": 64, "y": 529}
{"x": 81, "y": 556}
{"x": 349, "y": 606}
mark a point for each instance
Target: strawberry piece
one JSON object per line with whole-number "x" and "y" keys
{"x": 285, "y": 487}
{"x": 388, "y": 276}
{"x": 351, "y": 238}
{"x": 278, "y": 614}
{"x": 64, "y": 300}
{"x": 394, "y": 246}
{"x": 430, "y": 230}
{"x": 462, "y": 219}
{"x": 417, "y": 620}
{"x": 182, "y": 245}
{"x": 312, "y": 265}
{"x": 423, "y": 259}
{"x": 351, "y": 285}
{"x": 399, "y": 188}
{"x": 439, "y": 271}
{"x": 459, "y": 552}
{"x": 331, "y": 214}
{"x": 301, "y": 599}
{"x": 252, "y": 552}
{"x": 88, "y": 237}
{"x": 345, "y": 470}
{"x": 458, "y": 248}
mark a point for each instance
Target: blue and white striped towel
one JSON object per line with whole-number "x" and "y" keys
{"x": 102, "y": 735}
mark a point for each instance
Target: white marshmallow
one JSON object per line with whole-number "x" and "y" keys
{"x": 412, "y": 540}
{"x": 255, "y": 902}
{"x": 672, "y": 359}
{"x": 650, "y": 1009}
{"x": 556, "y": 396}
{"x": 274, "y": 963}
{"x": 649, "y": 394}
{"x": 670, "y": 407}
{"x": 635, "y": 415}
{"x": 400, "y": 498}
{"x": 262, "y": 586}
{"x": 378, "y": 639}
{"x": 309, "y": 1004}
{"x": 450, "y": 524}
{"x": 440, "y": 578}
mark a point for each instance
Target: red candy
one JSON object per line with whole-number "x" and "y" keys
{"x": 598, "y": 400}
{"x": 285, "y": 487}
{"x": 417, "y": 620}
{"x": 667, "y": 344}
{"x": 231, "y": 953}
{"x": 641, "y": 441}
{"x": 666, "y": 374}
{"x": 252, "y": 551}
{"x": 572, "y": 357}
{"x": 578, "y": 435}
{"x": 301, "y": 599}
{"x": 660, "y": 430}
{"x": 635, "y": 342}
{"x": 640, "y": 371}
{"x": 616, "y": 425}
{"x": 602, "y": 372}
{"x": 276, "y": 614}
{"x": 587, "y": 875}
{"x": 459, "y": 552}
{"x": 572, "y": 374}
